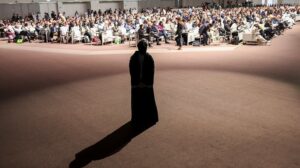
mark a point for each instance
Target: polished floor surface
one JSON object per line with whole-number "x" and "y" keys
{"x": 231, "y": 106}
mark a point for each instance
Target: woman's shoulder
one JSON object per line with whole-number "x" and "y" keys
{"x": 149, "y": 57}
{"x": 135, "y": 55}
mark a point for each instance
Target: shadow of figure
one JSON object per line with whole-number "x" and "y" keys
{"x": 143, "y": 106}
{"x": 109, "y": 145}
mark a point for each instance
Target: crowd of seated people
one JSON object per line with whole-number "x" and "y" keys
{"x": 204, "y": 25}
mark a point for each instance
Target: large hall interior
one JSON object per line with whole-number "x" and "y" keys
{"x": 150, "y": 83}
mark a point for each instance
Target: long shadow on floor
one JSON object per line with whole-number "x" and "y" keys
{"x": 109, "y": 145}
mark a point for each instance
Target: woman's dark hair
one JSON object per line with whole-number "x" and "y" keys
{"x": 142, "y": 46}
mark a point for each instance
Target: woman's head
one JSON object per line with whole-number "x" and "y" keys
{"x": 142, "y": 46}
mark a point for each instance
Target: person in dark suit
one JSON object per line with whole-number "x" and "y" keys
{"x": 179, "y": 32}
{"x": 143, "y": 106}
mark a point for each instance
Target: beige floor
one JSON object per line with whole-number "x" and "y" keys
{"x": 238, "y": 108}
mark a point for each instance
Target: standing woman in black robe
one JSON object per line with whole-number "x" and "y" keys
{"x": 143, "y": 106}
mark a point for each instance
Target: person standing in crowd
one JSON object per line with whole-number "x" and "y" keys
{"x": 179, "y": 39}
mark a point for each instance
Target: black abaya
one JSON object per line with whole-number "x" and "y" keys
{"x": 143, "y": 106}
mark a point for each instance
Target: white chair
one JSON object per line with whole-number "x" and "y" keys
{"x": 107, "y": 37}
{"x": 133, "y": 39}
{"x": 249, "y": 38}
